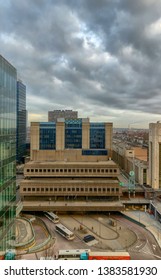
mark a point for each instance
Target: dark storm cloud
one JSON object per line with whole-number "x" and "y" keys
{"x": 103, "y": 53}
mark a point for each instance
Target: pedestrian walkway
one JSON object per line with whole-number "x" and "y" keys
{"x": 148, "y": 221}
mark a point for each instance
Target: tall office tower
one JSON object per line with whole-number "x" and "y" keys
{"x": 66, "y": 114}
{"x": 155, "y": 155}
{"x": 8, "y": 81}
{"x": 21, "y": 121}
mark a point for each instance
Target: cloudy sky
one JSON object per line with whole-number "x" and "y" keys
{"x": 99, "y": 57}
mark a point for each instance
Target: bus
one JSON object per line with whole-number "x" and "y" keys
{"x": 52, "y": 217}
{"x": 71, "y": 254}
{"x": 105, "y": 256}
{"x": 65, "y": 232}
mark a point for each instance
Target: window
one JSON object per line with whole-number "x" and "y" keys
{"x": 47, "y": 136}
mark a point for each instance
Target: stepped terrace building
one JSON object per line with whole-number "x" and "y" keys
{"x": 70, "y": 168}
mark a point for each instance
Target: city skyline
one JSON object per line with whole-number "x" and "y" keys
{"x": 100, "y": 58}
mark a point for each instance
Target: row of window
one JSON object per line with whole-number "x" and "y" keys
{"x": 71, "y": 189}
{"x": 69, "y": 170}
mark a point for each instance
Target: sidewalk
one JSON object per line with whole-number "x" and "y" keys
{"x": 149, "y": 221}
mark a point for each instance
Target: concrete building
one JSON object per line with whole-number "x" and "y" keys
{"x": 8, "y": 83}
{"x": 71, "y": 162}
{"x": 66, "y": 114}
{"x": 132, "y": 159}
{"x": 155, "y": 155}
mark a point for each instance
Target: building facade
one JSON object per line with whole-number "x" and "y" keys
{"x": 21, "y": 121}
{"x": 66, "y": 114}
{"x": 132, "y": 159}
{"x": 8, "y": 80}
{"x": 55, "y": 140}
{"x": 70, "y": 162}
{"x": 155, "y": 155}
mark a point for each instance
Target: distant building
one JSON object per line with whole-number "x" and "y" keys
{"x": 66, "y": 114}
{"x": 8, "y": 83}
{"x": 155, "y": 155}
{"x": 131, "y": 158}
{"x": 21, "y": 121}
{"x": 71, "y": 162}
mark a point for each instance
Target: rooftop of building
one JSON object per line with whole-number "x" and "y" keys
{"x": 71, "y": 163}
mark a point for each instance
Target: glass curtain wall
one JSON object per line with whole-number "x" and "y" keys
{"x": 97, "y": 136}
{"x": 8, "y": 81}
{"x": 73, "y": 134}
{"x": 47, "y": 136}
{"x": 21, "y": 121}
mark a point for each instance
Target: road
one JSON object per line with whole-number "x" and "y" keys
{"x": 125, "y": 236}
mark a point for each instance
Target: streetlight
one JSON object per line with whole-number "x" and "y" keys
{"x": 99, "y": 220}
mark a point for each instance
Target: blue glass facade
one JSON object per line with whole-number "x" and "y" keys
{"x": 97, "y": 136}
{"x": 73, "y": 134}
{"x": 47, "y": 136}
{"x": 21, "y": 121}
{"x": 8, "y": 82}
{"x": 94, "y": 152}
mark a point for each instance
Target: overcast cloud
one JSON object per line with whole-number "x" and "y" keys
{"x": 100, "y": 57}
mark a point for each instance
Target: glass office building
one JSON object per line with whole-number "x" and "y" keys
{"x": 21, "y": 121}
{"x": 8, "y": 82}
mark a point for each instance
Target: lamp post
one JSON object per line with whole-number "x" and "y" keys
{"x": 99, "y": 220}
